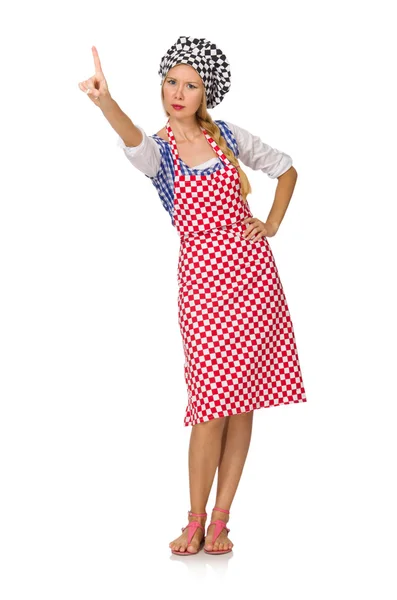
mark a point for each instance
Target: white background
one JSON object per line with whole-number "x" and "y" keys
{"x": 94, "y": 472}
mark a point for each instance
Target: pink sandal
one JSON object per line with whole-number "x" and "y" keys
{"x": 219, "y": 525}
{"x": 193, "y": 526}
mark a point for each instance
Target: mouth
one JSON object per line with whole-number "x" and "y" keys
{"x": 177, "y": 106}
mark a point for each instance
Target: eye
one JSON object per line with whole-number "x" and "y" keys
{"x": 173, "y": 81}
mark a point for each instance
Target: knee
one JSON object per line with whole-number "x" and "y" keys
{"x": 218, "y": 423}
{"x": 244, "y": 416}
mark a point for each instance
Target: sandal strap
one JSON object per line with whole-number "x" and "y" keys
{"x": 219, "y": 525}
{"x": 221, "y": 510}
{"x": 197, "y": 514}
{"x": 193, "y": 526}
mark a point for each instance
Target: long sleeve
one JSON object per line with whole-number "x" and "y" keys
{"x": 146, "y": 156}
{"x": 257, "y": 155}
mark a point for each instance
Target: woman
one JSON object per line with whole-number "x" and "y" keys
{"x": 237, "y": 334}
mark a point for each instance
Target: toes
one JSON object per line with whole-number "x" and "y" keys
{"x": 218, "y": 546}
{"x": 193, "y": 546}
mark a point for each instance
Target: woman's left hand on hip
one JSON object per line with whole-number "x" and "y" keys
{"x": 257, "y": 229}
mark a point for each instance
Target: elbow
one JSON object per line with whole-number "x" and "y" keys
{"x": 290, "y": 172}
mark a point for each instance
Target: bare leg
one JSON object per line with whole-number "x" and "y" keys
{"x": 235, "y": 445}
{"x": 204, "y": 456}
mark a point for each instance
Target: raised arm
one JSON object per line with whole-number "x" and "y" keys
{"x": 97, "y": 90}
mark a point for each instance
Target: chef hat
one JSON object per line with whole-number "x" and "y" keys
{"x": 208, "y": 60}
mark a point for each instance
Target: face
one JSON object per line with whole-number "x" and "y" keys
{"x": 182, "y": 86}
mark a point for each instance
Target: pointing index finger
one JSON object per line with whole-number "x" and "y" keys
{"x": 97, "y": 62}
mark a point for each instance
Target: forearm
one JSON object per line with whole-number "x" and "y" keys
{"x": 285, "y": 187}
{"x": 120, "y": 122}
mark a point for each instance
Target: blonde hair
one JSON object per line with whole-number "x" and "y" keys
{"x": 204, "y": 119}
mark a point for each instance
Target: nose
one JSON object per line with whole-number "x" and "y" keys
{"x": 178, "y": 92}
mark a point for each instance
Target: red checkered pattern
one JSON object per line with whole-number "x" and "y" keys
{"x": 238, "y": 337}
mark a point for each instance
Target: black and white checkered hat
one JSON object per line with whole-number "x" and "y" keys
{"x": 208, "y": 60}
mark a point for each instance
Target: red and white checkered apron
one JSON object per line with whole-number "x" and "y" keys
{"x": 238, "y": 338}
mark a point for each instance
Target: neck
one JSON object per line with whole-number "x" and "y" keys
{"x": 185, "y": 129}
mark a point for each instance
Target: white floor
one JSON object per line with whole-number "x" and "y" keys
{"x": 314, "y": 516}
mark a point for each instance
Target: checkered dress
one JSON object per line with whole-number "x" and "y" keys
{"x": 237, "y": 334}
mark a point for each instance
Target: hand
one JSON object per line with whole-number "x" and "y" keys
{"x": 96, "y": 87}
{"x": 259, "y": 228}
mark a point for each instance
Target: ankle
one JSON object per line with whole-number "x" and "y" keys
{"x": 199, "y": 516}
{"x": 218, "y": 514}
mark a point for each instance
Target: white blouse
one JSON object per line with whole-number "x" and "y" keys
{"x": 253, "y": 152}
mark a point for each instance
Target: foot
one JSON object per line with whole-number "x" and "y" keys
{"x": 222, "y": 542}
{"x": 180, "y": 543}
